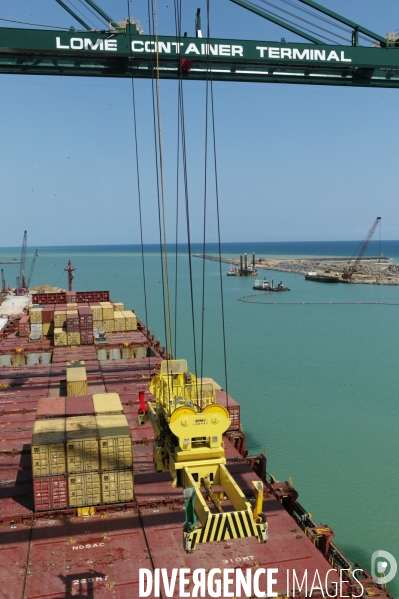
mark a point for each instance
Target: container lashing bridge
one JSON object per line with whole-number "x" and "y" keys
{"x": 189, "y": 427}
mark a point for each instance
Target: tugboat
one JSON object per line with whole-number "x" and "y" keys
{"x": 262, "y": 285}
{"x": 280, "y": 287}
{"x": 233, "y": 271}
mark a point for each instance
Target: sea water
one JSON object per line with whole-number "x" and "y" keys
{"x": 314, "y": 370}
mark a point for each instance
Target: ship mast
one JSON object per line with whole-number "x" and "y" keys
{"x": 70, "y": 268}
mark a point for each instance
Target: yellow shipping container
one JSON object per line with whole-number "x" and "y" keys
{"x": 97, "y": 312}
{"x": 60, "y": 337}
{"x": 115, "y": 442}
{"x": 84, "y": 490}
{"x": 82, "y": 444}
{"x": 107, "y": 403}
{"x": 109, "y": 326}
{"x": 119, "y": 307}
{"x": 73, "y": 338}
{"x": 48, "y": 447}
{"x": 72, "y": 305}
{"x": 72, "y": 311}
{"x": 107, "y": 310}
{"x": 48, "y": 328}
{"x": 59, "y": 319}
{"x": 131, "y": 320}
{"x": 98, "y": 324}
{"x": 35, "y": 315}
{"x": 76, "y": 380}
{"x": 120, "y": 321}
{"x": 117, "y": 486}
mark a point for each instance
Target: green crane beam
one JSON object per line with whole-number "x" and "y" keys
{"x": 277, "y": 21}
{"x": 102, "y": 13}
{"x": 75, "y": 16}
{"x": 355, "y": 26}
{"x": 127, "y": 54}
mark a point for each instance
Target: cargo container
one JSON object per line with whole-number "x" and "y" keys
{"x": 115, "y": 442}
{"x": 48, "y": 447}
{"x": 70, "y": 296}
{"x": 72, "y": 321}
{"x": 73, "y": 338}
{"x": 59, "y": 318}
{"x": 85, "y": 317}
{"x": 48, "y": 329}
{"x": 60, "y": 337}
{"x": 86, "y": 336}
{"x": 24, "y": 326}
{"x": 131, "y": 320}
{"x": 79, "y": 406}
{"x": 84, "y": 489}
{"x": 76, "y": 379}
{"x": 35, "y": 313}
{"x": 96, "y": 311}
{"x": 117, "y": 486}
{"x": 50, "y": 408}
{"x": 120, "y": 321}
{"x": 82, "y": 444}
{"x": 107, "y": 310}
{"x": 107, "y": 403}
{"x": 108, "y": 326}
{"x": 50, "y": 493}
{"x": 118, "y": 306}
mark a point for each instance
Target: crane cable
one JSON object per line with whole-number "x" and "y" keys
{"x": 160, "y": 178}
{"x": 139, "y": 191}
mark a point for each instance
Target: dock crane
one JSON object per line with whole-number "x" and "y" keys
{"x": 22, "y": 286}
{"x": 188, "y": 430}
{"x": 351, "y": 268}
{"x": 4, "y": 285}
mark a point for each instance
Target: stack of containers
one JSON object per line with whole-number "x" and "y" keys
{"x": 72, "y": 326}
{"x": 48, "y": 319}
{"x": 108, "y": 317}
{"x": 83, "y": 461}
{"x": 120, "y": 321}
{"x": 115, "y": 443}
{"x": 24, "y": 327}
{"x": 119, "y": 306}
{"x": 76, "y": 378}
{"x": 48, "y": 464}
{"x": 130, "y": 320}
{"x": 60, "y": 331}
{"x": 86, "y": 325}
{"x": 36, "y": 326}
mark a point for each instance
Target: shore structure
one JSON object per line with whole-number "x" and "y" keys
{"x": 373, "y": 270}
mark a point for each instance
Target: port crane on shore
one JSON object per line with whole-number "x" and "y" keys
{"x": 22, "y": 286}
{"x": 352, "y": 267}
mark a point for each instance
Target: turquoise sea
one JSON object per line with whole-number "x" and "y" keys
{"x": 317, "y": 382}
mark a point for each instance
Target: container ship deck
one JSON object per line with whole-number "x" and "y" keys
{"x": 54, "y": 544}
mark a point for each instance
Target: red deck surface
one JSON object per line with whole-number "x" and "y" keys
{"x": 100, "y": 556}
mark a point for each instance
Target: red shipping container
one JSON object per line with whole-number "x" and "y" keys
{"x": 50, "y": 408}
{"x": 48, "y": 313}
{"x": 85, "y": 318}
{"x": 79, "y": 406}
{"x": 70, "y": 297}
{"x": 23, "y": 327}
{"x": 50, "y": 493}
{"x": 72, "y": 323}
{"x": 233, "y": 408}
{"x": 86, "y": 337}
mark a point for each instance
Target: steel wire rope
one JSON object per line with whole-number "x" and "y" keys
{"x": 139, "y": 192}
{"x": 181, "y": 117}
{"x": 187, "y": 206}
{"x": 83, "y": 15}
{"x": 150, "y": 4}
{"x": 287, "y": 12}
{"x": 293, "y": 23}
{"x": 42, "y": 25}
{"x": 204, "y": 226}
{"x": 321, "y": 17}
{"x": 177, "y": 28}
{"x": 217, "y": 207}
{"x": 92, "y": 11}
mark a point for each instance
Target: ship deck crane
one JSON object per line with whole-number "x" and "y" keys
{"x": 31, "y": 269}
{"x": 351, "y": 268}
{"x": 188, "y": 429}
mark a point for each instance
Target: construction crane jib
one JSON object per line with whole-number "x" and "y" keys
{"x": 188, "y": 429}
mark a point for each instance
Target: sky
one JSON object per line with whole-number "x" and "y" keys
{"x": 294, "y": 162}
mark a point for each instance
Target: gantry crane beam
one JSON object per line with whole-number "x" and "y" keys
{"x": 127, "y": 54}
